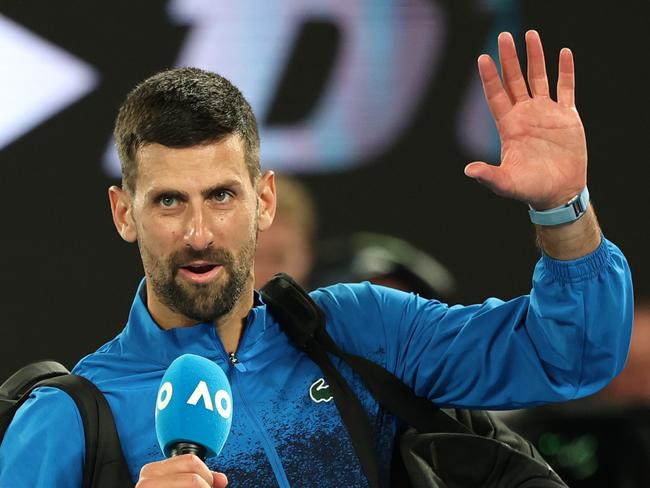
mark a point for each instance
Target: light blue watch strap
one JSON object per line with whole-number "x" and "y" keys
{"x": 573, "y": 210}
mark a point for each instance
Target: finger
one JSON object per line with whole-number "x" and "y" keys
{"x": 513, "y": 79}
{"x": 489, "y": 175}
{"x": 495, "y": 94}
{"x": 220, "y": 480}
{"x": 537, "y": 79}
{"x": 185, "y": 464}
{"x": 566, "y": 83}
{"x": 178, "y": 480}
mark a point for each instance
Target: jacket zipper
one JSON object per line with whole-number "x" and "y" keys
{"x": 267, "y": 444}
{"x": 269, "y": 448}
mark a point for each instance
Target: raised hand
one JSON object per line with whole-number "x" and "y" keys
{"x": 543, "y": 147}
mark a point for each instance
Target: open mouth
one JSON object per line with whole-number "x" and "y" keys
{"x": 201, "y": 269}
{"x": 200, "y": 272}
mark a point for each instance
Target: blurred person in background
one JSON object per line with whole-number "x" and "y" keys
{"x": 632, "y": 386}
{"x": 383, "y": 260}
{"x": 288, "y": 245}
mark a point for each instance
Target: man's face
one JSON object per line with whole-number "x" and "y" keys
{"x": 195, "y": 214}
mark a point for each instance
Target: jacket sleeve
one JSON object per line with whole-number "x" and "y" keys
{"x": 565, "y": 340}
{"x": 44, "y": 444}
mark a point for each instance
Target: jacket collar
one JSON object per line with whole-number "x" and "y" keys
{"x": 144, "y": 337}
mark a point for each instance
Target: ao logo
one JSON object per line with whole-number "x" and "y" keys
{"x": 222, "y": 400}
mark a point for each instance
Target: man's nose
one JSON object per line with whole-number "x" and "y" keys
{"x": 198, "y": 235}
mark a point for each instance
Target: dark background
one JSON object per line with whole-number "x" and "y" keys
{"x": 68, "y": 279}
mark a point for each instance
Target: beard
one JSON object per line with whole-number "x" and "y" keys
{"x": 201, "y": 302}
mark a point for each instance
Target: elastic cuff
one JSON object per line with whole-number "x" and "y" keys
{"x": 580, "y": 269}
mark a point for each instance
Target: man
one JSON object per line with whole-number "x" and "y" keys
{"x": 194, "y": 201}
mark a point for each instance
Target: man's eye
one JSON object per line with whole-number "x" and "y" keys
{"x": 221, "y": 196}
{"x": 168, "y": 202}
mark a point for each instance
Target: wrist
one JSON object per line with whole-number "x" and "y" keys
{"x": 570, "y": 241}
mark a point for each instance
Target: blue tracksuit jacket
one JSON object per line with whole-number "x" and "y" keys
{"x": 565, "y": 340}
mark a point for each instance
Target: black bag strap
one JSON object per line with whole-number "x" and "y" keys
{"x": 104, "y": 463}
{"x": 304, "y": 323}
{"x": 26, "y": 377}
{"x": 303, "y": 320}
{"x": 394, "y": 395}
{"x": 15, "y": 390}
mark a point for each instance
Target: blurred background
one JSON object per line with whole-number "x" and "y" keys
{"x": 372, "y": 107}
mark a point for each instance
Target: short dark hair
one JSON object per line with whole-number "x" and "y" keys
{"x": 180, "y": 108}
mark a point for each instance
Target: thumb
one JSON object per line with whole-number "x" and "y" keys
{"x": 487, "y": 174}
{"x": 219, "y": 480}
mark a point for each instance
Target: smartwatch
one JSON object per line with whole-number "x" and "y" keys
{"x": 570, "y": 212}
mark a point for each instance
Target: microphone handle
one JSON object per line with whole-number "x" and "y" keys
{"x": 181, "y": 448}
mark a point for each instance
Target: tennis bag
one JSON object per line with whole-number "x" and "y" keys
{"x": 439, "y": 448}
{"x": 104, "y": 464}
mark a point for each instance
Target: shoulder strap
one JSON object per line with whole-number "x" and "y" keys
{"x": 15, "y": 390}
{"x": 27, "y": 376}
{"x": 104, "y": 463}
{"x": 304, "y": 322}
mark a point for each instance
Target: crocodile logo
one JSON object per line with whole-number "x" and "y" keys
{"x": 319, "y": 391}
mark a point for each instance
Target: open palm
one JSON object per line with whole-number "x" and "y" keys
{"x": 543, "y": 147}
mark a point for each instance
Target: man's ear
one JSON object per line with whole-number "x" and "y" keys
{"x": 121, "y": 210}
{"x": 266, "y": 200}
